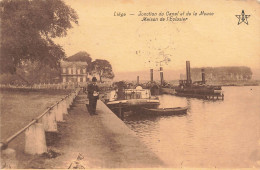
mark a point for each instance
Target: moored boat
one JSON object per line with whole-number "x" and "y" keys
{"x": 198, "y": 89}
{"x": 132, "y": 99}
{"x": 166, "y": 111}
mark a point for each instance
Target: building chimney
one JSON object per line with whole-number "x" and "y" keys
{"x": 203, "y": 76}
{"x": 188, "y": 72}
{"x": 161, "y": 75}
{"x": 151, "y": 75}
{"x": 137, "y": 80}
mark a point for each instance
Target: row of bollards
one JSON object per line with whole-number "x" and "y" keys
{"x": 41, "y": 86}
{"x": 35, "y": 140}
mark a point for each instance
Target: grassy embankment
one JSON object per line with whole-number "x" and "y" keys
{"x": 19, "y": 107}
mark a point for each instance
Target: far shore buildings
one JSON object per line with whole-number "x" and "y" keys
{"x": 74, "y": 72}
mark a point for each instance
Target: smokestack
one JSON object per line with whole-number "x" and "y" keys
{"x": 137, "y": 80}
{"x": 188, "y": 72}
{"x": 151, "y": 75}
{"x": 203, "y": 76}
{"x": 161, "y": 75}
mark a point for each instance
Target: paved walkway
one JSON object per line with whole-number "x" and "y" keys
{"x": 103, "y": 140}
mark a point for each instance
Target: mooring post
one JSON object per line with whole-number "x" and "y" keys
{"x": 52, "y": 122}
{"x": 71, "y": 98}
{"x": 59, "y": 115}
{"x": 35, "y": 141}
{"x": 67, "y": 102}
{"x": 44, "y": 121}
{"x": 64, "y": 107}
{"x": 49, "y": 122}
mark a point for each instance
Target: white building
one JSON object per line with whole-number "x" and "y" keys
{"x": 74, "y": 72}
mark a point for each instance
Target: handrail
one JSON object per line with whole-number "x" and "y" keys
{"x": 4, "y": 145}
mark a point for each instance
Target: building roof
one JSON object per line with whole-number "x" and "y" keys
{"x": 78, "y": 64}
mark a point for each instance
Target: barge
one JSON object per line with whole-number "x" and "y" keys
{"x": 123, "y": 100}
{"x": 198, "y": 89}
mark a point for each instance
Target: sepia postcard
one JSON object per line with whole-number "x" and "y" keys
{"x": 129, "y": 84}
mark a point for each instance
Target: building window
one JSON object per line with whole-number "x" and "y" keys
{"x": 64, "y": 70}
{"x": 69, "y": 70}
{"x": 74, "y": 70}
{"x": 84, "y": 70}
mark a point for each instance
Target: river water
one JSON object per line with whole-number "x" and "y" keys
{"x": 221, "y": 134}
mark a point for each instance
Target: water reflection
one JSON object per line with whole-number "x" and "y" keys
{"x": 211, "y": 134}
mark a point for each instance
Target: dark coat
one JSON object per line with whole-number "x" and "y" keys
{"x": 91, "y": 88}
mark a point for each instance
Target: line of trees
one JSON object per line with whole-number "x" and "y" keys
{"x": 28, "y": 28}
{"x": 223, "y": 73}
{"x": 28, "y": 52}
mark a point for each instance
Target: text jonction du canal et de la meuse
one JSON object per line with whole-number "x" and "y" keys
{"x": 171, "y": 16}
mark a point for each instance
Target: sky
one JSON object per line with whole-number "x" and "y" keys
{"x": 130, "y": 44}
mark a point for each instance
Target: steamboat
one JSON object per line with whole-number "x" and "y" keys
{"x": 198, "y": 89}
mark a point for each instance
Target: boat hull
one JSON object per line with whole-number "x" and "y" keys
{"x": 166, "y": 111}
{"x": 132, "y": 105}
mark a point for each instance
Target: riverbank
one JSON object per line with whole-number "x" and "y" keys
{"x": 102, "y": 141}
{"x": 20, "y": 106}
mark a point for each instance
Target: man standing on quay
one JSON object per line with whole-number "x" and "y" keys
{"x": 93, "y": 93}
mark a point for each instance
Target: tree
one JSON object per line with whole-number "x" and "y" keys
{"x": 29, "y": 73}
{"x": 103, "y": 68}
{"x": 37, "y": 73}
{"x": 80, "y": 56}
{"x": 28, "y": 28}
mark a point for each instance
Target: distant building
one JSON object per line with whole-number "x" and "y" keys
{"x": 74, "y": 72}
{"x": 232, "y": 73}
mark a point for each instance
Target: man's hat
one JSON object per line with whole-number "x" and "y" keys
{"x": 94, "y": 79}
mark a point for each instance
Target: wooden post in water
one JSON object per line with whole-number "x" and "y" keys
{"x": 203, "y": 76}
{"x": 161, "y": 75}
{"x": 188, "y": 75}
{"x": 151, "y": 75}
